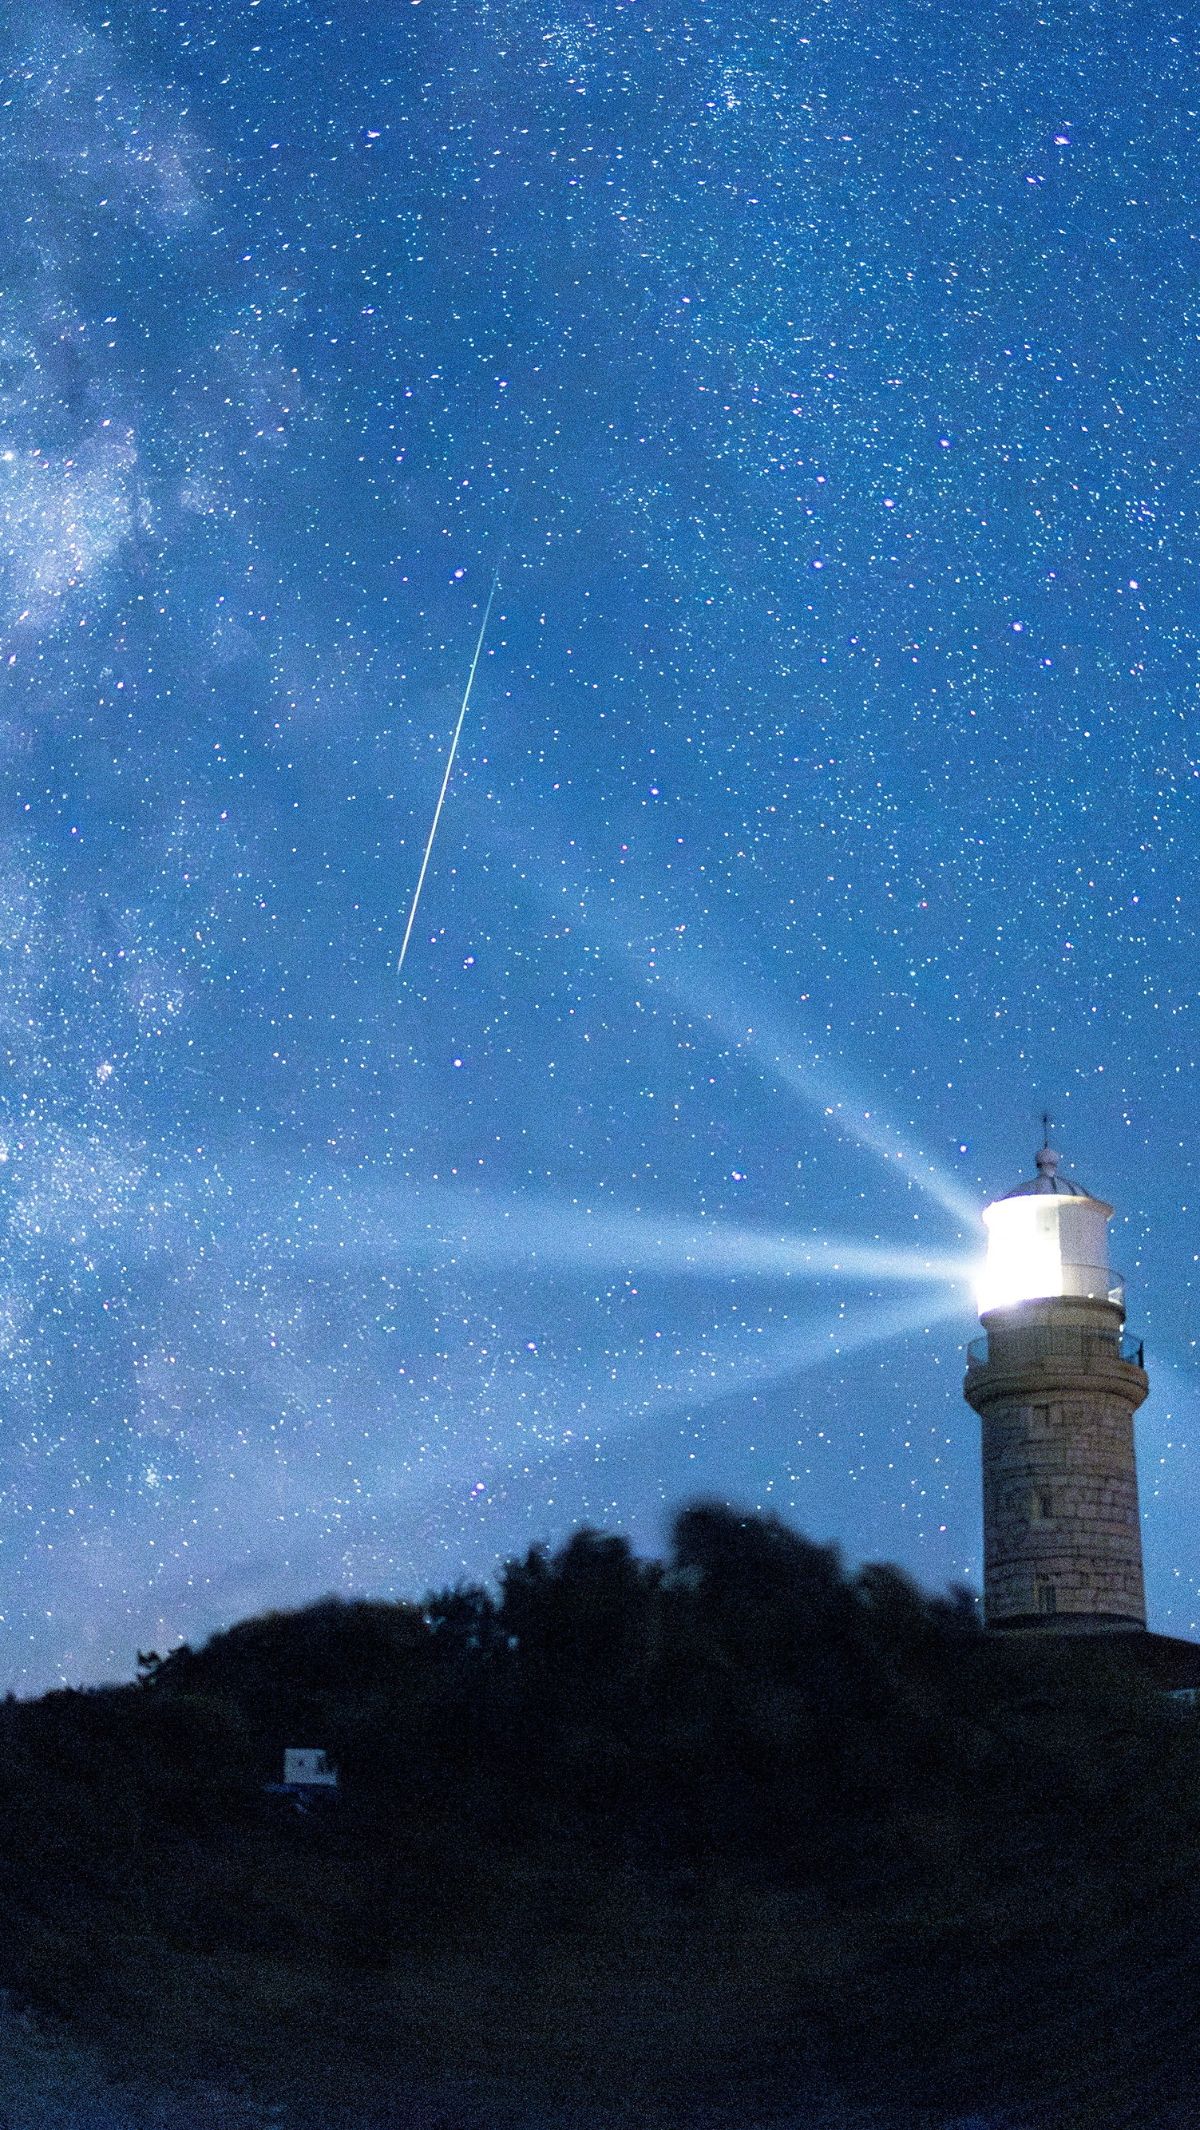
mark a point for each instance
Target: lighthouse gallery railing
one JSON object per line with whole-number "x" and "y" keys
{"x": 1091, "y": 1345}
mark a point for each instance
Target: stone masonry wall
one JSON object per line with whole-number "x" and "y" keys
{"x": 1062, "y": 1534}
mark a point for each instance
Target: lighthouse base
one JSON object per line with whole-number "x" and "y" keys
{"x": 1165, "y": 1661}
{"x": 1068, "y": 1623}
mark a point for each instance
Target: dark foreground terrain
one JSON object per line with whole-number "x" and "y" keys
{"x": 735, "y": 1840}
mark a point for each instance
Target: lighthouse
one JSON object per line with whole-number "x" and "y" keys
{"x": 1056, "y": 1382}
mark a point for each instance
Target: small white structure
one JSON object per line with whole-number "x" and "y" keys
{"x": 306, "y": 1767}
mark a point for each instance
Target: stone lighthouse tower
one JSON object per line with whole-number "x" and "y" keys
{"x": 1056, "y": 1384}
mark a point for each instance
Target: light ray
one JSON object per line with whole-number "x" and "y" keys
{"x": 560, "y": 1239}
{"x": 867, "y": 1128}
{"x": 631, "y": 1406}
{"x": 803, "y": 1349}
{"x": 703, "y": 984}
{"x": 794, "y": 1062}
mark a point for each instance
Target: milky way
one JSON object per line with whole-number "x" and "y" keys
{"x": 828, "y": 804}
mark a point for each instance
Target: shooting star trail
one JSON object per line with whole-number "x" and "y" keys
{"x": 437, "y": 811}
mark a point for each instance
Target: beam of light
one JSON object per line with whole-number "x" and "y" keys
{"x": 630, "y": 1405}
{"x": 793, "y": 1061}
{"x": 706, "y": 987}
{"x": 560, "y": 1239}
{"x": 866, "y": 1127}
{"x": 437, "y": 811}
{"x": 800, "y": 1351}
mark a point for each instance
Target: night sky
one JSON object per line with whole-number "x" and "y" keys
{"x": 825, "y": 384}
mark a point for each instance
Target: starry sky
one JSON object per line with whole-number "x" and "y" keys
{"x": 822, "y": 383}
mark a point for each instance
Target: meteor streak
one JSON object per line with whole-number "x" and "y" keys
{"x": 437, "y": 811}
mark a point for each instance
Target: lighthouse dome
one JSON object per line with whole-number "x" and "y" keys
{"x": 1048, "y": 1182}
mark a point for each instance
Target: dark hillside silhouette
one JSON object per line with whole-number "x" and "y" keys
{"x": 722, "y": 1829}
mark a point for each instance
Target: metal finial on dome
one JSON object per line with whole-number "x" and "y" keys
{"x": 1049, "y": 1181}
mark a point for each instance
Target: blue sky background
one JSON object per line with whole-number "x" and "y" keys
{"x": 825, "y": 385}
